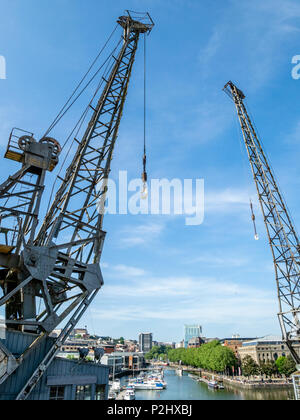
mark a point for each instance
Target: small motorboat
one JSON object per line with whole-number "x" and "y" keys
{"x": 115, "y": 385}
{"x": 129, "y": 395}
{"x": 213, "y": 384}
{"x": 112, "y": 395}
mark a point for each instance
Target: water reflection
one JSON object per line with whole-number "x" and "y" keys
{"x": 185, "y": 388}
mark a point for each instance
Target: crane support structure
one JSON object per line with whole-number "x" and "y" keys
{"x": 49, "y": 278}
{"x": 282, "y": 236}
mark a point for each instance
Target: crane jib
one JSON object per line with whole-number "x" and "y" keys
{"x": 281, "y": 233}
{"x": 51, "y": 277}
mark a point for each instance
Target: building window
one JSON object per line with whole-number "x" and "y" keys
{"x": 83, "y": 393}
{"x": 57, "y": 393}
{"x": 100, "y": 393}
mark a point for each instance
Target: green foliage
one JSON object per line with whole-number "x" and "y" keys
{"x": 211, "y": 356}
{"x": 250, "y": 367}
{"x": 69, "y": 357}
{"x": 268, "y": 368}
{"x": 157, "y": 352}
{"x": 286, "y": 365}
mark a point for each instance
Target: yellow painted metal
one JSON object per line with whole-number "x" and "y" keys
{"x": 14, "y": 156}
{"x": 5, "y": 249}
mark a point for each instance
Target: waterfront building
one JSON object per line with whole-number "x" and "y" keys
{"x": 114, "y": 361}
{"x": 133, "y": 361}
{"x": 195, "y": 342}
{"x": 235, "y": 343}
{"x": 265, "y": 349}
{"x": 119, "y": 361}
{"x": 145, "y": 342}
{"x": 191, "y": 331}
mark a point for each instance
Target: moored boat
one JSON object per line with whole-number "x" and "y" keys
{"x": 213, "y": 384}
{"x": 130, "y": 394}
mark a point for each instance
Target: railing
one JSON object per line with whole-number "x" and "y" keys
{"x": 13, "y": 150}
{"x": 296, "y": 382}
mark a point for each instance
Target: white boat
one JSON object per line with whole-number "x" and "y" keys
{"x": 129, "y": 395}
{"x": 213, "y": 384}
{"x": 112, "y": 395}
{"x": 179, "y": 372}
{"x": 115, "y": 385}
{"x": 157, "y": 379}
{"x": 147, "y": 385}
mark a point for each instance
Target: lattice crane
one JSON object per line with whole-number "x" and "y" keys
{"x": 282, "y": 235}
{"x": 59, "y": 266}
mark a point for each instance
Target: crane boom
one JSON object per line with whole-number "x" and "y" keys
{"x": 282, "y": 236}
{"x": 60, "y": 266}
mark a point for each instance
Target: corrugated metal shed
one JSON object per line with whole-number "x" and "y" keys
{"x": 18, "y": 342}
{"x": 71, "y": 374}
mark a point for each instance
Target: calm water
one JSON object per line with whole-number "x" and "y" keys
{"x": 186, "y": 388}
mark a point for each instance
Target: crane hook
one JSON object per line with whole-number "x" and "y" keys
{"x": 144, "y": 194}
{"x": 256, "y": 236}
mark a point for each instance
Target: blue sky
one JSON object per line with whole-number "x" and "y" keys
{"x": 159, "y": 273}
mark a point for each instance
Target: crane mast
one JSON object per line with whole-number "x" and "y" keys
{"x": 60, "y": 265}
{"x": 282, "y": 236}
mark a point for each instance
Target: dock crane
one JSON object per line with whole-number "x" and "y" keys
{"x": 50, "y": 276}
{"x": 282, "y": 235}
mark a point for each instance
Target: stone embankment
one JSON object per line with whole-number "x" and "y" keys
{"x": 239, "y": 382}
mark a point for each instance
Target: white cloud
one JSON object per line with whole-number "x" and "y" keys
{"x": 141, "y": 234}
{"x": 226, "y": 200}
{"x": 183, "y": 299}
{"x": 211, "y": 260}
{"x": 125, "y": 270}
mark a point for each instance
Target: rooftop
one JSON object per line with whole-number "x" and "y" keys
{"x": 268, "y": 339}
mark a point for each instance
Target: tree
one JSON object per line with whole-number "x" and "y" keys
{"x": 222, "y": 359}
{"x": 268, "y": 368}
{"x": 249, "y": 366}
{"x": 211, "y": 356}
{"x": 286, "y": 365}
{"x": 157, "y": 352}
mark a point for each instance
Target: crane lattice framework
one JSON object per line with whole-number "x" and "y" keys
{"x": 60, "y": 265}
{"x": 282, "y": 236}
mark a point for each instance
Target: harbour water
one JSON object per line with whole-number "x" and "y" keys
{"x": 186, "y": 388}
